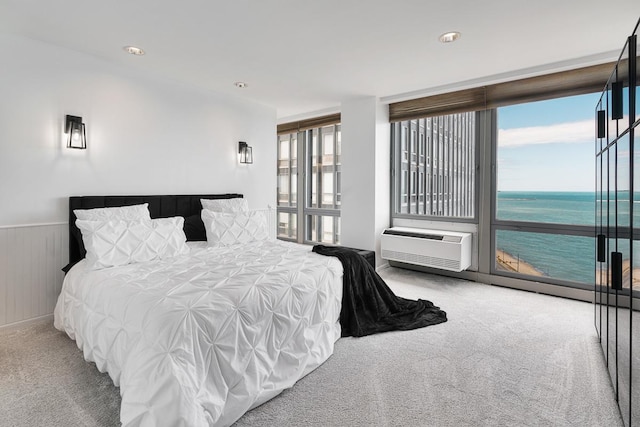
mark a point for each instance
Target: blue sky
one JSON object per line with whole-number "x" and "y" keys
{"x": 547, "y": 145}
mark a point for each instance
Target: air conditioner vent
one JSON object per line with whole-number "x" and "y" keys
{"x": 393, "y": 232}
{"x": 446, "y": 250}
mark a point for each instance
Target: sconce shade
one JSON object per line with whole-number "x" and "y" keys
{"x": 246, "y": 152}
{"x": 75, "y": 130}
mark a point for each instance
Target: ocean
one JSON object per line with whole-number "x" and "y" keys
{"x": 558, "y": 256}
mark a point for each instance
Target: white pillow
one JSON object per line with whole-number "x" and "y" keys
{"x": 225, "y": 229}
{"x": 225, "y": 205}
{"x": 114, "y": 243}
{"x": 127, "y": 213}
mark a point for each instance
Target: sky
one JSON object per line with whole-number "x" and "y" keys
{"x": 548, "y": 145}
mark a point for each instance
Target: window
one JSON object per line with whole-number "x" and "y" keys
{"x": 533, "y": 202}
{"x": 545, "y": 161}
{"x": 317, "y": 218}
{"x": 434, "y": 163}
{"x": 545, "y": 200}
{"x": 322, "y": 207}
{"x": 287, "y": 185}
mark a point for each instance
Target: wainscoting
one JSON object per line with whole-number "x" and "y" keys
{"x": 31, "y": 257}
{"x": 272, "y": 221}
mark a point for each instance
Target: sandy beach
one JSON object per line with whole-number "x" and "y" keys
{"x": 507, "y": 262}
{"x": 626, "y": 269}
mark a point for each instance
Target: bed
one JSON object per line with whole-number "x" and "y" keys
{"x": 199, "y": 338}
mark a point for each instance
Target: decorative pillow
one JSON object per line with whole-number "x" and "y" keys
{"x": 225, "y": 229}
{"x": 114, "y": 243}
{"x": 225, "y": 205}
{"x": 126, "y": 213}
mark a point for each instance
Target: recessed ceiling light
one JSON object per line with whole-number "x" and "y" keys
{"x": 133, "y": 50}
{"x": 240, "y": 85}
{"x": 449, "y": 37}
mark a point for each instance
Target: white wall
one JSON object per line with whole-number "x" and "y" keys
{"x": 365, "y": 210}
{"x": 145, "y": 135}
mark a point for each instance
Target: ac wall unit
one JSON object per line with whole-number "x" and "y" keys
{"x": 447, "y": 250}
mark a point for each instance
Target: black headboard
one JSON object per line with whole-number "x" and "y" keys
{"x": 187, "y": 206}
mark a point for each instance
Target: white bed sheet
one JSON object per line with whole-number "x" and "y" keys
{"x": 200, "y": 339}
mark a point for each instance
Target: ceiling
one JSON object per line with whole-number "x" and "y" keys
{"x": 308, "y": 56}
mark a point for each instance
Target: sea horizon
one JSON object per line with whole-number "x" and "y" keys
{"x": 543, "y": 251}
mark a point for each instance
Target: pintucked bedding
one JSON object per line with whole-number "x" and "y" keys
{"x": 199, "y": 339}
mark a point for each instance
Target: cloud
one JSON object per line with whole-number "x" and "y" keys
{"x": 570, "y": 132}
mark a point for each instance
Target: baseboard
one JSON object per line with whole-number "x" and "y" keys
{"x": 24, "y": 323}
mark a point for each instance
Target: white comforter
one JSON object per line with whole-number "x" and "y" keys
{"x": 200, "y": 339}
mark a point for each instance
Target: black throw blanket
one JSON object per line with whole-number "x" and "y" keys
{"x": 369, "y": 306}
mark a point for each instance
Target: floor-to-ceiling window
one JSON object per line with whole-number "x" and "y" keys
{"x": 544, "y": 181}
{"x": 322, "y": 184}
{"x": 288, "y": 186}
{"x": 309, "y": 180}
{"x": 534, "y": 211}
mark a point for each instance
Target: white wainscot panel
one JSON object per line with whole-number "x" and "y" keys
{"x": 272, "y": 221}
{"x": 31, "y": 258}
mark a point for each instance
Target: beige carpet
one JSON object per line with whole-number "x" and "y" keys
{"x": 504, "y": 358}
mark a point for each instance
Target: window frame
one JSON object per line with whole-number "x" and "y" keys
{"x": 303, "y": 210}
{"x": 485, "y": 214}
{"x": 290, "y": 209}
{"x": 432, "y": 151}
{"x": 308, "y": 211}
{"x": 497, "y": 224}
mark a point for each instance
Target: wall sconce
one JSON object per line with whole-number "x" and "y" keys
{"x": 246, "y": 152}
{"x": 74, "y": 128}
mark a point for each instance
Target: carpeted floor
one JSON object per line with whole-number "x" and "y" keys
{"x": 504, "y": 358}
{"x": 44, "y": 381}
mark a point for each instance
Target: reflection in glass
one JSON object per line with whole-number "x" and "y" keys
{"x": 601, "y": 268}
{"x": 635, "y": 268}
{"x": 623, "y": 183}
{"x": 623, "y": 324}
{"x": 635, "y": 336}
{"x": 623, "y": 320}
